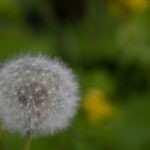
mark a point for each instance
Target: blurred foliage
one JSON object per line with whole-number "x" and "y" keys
{"x": 107, "y": 43}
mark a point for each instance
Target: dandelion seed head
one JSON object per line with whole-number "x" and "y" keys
{"x": 38, "y": 95}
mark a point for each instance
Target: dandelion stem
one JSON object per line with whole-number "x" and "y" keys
{"x": 28, "y": 143}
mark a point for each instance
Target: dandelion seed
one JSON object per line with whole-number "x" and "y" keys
{"x": 33, "y": 79}
{"x": 29, "y": 111}
{"x": 22, "y": 91}
{"x": 15, "y": 74}
{"x": 43, "y": 74}
{"x": 30, "y": 97}
{"x": 19, "y": 80}
{"x": 47, "y": 96}
{"x": 28, "y": 71}
{"x": 44, "y": 82}
{"x": 27, "y": 84}
{"x": 42, "y": 103}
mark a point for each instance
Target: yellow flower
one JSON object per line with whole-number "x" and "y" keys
{"x": 96, "y": 106}
{"x": 135, "y": 5}
{"x": 118, "y": 8}
{"x": 115, "y": 9}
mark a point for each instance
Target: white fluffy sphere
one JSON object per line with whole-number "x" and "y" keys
{"x": 37, "y": 95}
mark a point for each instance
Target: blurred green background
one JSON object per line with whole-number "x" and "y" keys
{"x": 107, "y": 43}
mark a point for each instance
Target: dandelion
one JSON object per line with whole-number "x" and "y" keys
{"x": 38, "y": 95}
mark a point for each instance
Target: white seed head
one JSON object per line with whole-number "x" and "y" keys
{"x": 43, "y": 101}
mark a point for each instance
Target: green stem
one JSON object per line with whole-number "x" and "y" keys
{"x": 28, "y": 143}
